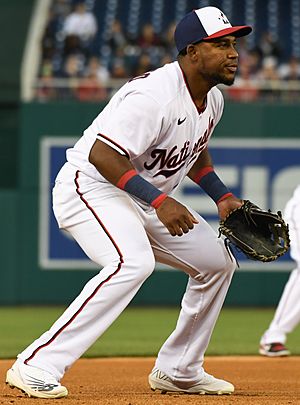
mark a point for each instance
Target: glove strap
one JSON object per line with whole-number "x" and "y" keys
{"x": 135, "y": 184}
{"x": 229, "y": 249}
{"x": 209, "y": 181}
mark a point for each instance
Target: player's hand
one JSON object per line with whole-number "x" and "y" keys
{"x": 176, "y": 217}
{"x": 228, "y": 205}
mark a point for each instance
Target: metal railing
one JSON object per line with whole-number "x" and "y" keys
{"x": 81, "y": 89}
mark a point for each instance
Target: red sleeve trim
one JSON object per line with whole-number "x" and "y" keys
{"x": 224, "y": 197}
{"x": 159, "y": 200}
{"x": 125, "y": 178}
{"x": 202, "y": 172}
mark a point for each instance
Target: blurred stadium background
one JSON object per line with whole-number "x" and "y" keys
{"x": 57, "y": 73}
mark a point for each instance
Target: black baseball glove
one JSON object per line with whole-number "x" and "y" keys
{"x": 260, "y": 235}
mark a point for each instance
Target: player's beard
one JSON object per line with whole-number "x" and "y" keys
{"x": 219, "y": 78}
{"x": 228, "y": 81}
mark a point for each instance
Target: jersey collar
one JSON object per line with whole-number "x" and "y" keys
{"x": 199, "y": 109}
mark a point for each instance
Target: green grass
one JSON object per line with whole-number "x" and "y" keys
{"x": 141, "y": 331}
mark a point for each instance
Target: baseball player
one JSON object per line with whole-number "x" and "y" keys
{"x": 114, "y": 196}
{"x": 287, "y": 314}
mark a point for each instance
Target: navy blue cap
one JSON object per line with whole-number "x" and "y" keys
{"x": 204, "y": 24}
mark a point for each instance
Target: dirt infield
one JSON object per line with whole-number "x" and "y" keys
{"x": 123, "y": 381}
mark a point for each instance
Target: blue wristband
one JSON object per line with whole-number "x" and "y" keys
{"x": 213, "y": 186}
{"x": 141, "y": 188}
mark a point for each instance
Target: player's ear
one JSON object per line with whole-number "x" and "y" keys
{"x": 191, "y": 51}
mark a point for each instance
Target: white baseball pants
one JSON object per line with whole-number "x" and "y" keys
{"x": 116, "y": 233}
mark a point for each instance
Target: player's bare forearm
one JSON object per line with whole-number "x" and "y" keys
{"x": 176, "y": 217}
{"x": 111, "y": 164}
{"x": 203, "y": 160}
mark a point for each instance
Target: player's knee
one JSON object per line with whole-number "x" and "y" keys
{"x": 147, "y": 264}
{"x": 142, "y": 263}
{"x": 222, "y": 260}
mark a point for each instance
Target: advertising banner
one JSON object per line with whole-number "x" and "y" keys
{"x": 266, "y": 171}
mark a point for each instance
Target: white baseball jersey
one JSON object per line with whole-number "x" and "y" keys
{"x": 154, "y": 121}
{"x": 292, "y": 217}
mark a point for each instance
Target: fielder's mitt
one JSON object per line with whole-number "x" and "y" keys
{"x": 260, "y": 235}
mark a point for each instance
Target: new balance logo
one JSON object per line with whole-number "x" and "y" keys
{"x": 39, "y": 385}
{"x": 160, "y": 375}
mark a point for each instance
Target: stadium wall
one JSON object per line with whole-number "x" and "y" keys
{"x": 14, "y": 21}
{"x": 24, "y": 280}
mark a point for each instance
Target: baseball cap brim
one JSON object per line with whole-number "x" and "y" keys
{"x": 237, "y": 31}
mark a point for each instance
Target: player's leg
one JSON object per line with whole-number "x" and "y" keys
{"x": 106, "y": 224}
{"x": 287, "y": 314}
{"x": 210, "y": 266}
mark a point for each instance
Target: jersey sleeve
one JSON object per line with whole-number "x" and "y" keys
{"x": 131, "y": 126}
